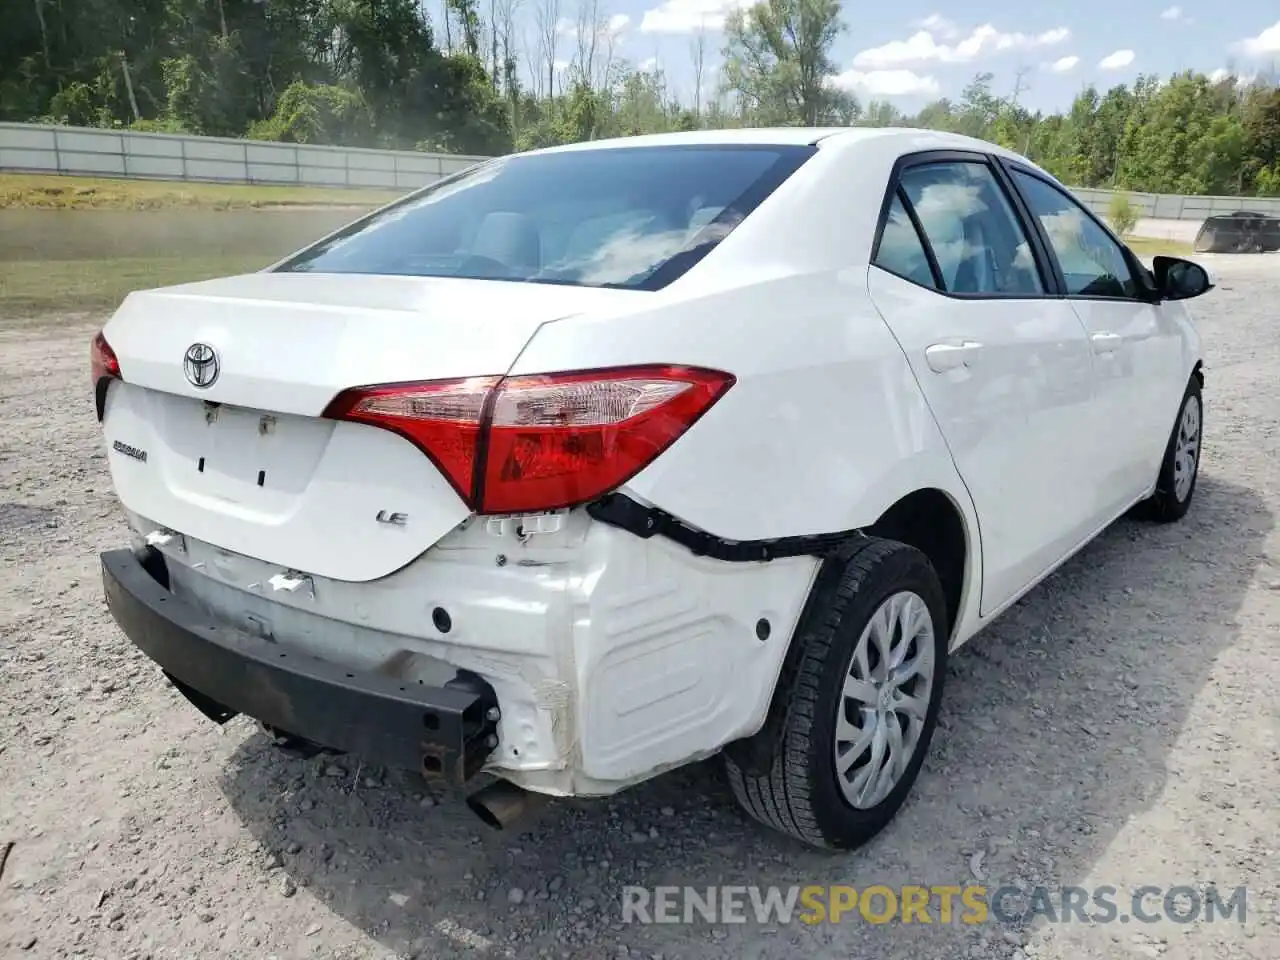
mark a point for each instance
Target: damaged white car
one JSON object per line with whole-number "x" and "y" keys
{"x": 588, "y": 463}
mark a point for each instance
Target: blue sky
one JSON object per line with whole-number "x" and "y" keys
{"x": 913, "y": 51}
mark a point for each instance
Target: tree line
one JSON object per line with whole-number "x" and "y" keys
{"x": 489, "y": 76}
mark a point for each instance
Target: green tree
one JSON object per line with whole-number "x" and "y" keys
{"x": 778, "y": 62}
{"x": 374, "y": 73}
{"x": 1122, "y": 214}
{"x": 1260, "y": 126}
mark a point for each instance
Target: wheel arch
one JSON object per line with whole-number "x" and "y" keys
{"x": 932, "y": 521}
{"x": 928, "y": 518}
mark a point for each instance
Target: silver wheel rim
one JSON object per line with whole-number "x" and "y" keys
{"x": 1186, "y": 449}
{"x": 885, "y": 699}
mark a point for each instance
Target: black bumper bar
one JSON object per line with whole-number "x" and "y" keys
{"x": 445, "y": 731}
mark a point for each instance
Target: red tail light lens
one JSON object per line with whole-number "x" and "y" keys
{"x": 525, "y": 444}
{"x": 102, "y": 360}
{"x": 555, "y": 441}
{"x": 103, "y": 368}
{"x": 442, "y": 418}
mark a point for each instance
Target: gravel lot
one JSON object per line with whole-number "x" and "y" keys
{"x": 1118, "y": 727}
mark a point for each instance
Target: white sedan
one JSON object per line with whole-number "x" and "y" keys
{"x": 587, "y": 463}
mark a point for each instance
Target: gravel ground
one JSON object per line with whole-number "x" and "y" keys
{"x": 1118, "y": 727}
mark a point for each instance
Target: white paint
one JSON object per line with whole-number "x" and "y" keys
{"x": 615, "y": 657}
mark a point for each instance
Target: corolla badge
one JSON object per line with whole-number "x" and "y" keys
{"x": 201, "y": 365}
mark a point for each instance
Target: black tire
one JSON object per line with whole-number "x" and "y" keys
{"x": 1164, "y": 506}
{"x": 785, "y": 775}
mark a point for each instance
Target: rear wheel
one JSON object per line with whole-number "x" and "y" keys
{"x": 857, "y": 703}
{"x": 1181, "y": 465}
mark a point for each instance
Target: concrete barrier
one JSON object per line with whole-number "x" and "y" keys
{"x": 35, "y": 148}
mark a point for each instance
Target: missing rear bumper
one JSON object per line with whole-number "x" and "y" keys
{"x": 446, "y": 731}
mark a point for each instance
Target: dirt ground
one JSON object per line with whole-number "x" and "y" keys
{"x": 1118, "y": 727}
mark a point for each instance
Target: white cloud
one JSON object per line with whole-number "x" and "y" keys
{"x": 688, "y": 16}
{"x": 1242, "y": 79}
{"x": 887, "y": 83}
{"x": 561, "y": 66}
{"x": 648, "y": 64}
{"x": 613, "y": 26}
{"x": 1176, "y": 15}
{"x": 1117, "y": 60}
{"x": 1065, "y": 64}
{"x": 1265, "y": 44}
{"x": 922, "y": 47}
{"x": 939, "y": 26}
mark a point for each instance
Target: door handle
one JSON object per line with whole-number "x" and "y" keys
{"x": 943, "y": 357}
{"x": 1106, "y": 342}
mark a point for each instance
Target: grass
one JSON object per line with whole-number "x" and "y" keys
{"x": 1150, "y": 247}
{"x": 20, "y": 191}
{"x": 49, "y": 287}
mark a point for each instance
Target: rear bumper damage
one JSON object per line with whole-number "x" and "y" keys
{"x": 607, "y": 657}
{"x": 446, "y": 730}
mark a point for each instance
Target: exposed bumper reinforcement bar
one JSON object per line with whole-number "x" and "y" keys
{"x": 447, "y": 731}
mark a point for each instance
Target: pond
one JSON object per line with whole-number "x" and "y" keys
{"x": 54, "y": 235}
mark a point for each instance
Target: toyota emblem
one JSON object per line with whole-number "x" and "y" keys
{"x": 201, "y": 365}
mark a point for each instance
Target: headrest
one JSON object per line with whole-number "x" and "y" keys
{"x": 509, "y": 238}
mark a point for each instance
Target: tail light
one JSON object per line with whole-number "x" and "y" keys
{"x": 103, "y": 368}
{"x": 532, "y": 443}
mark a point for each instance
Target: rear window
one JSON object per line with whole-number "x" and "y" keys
{"x": 629, "y": 217}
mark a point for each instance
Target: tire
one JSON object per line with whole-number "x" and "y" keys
{"x": 1172, "y": 497}
{"x": 786, "y": 775}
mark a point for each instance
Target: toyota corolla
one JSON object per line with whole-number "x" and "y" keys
{"x": 590, "y": 462}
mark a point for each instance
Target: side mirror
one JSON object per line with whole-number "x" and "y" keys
{"x": 1178, "y": 279}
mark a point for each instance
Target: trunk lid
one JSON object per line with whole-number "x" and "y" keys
{"x": 247, "y": 463}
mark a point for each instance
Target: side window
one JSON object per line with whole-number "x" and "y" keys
{"x": 976, "y": 238}
{"x": 1093, "y": 265}
{"x": 901, "y": 249}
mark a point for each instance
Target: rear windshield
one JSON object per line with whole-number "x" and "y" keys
{"x": 629, "y": 217}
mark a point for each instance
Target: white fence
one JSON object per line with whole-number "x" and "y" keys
{"x": 33, "y": 148}
{"x": 110, "y": 153}
{"x": 1175, "y": 206}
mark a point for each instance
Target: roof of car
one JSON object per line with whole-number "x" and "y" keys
{"x": 919, "y": 139}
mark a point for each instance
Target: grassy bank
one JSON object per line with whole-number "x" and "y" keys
{"x": 44, "y": 288}
{"x": 1150, "y": 247}
{"x": 37, "y": 192}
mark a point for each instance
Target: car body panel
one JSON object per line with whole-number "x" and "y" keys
{"x": 1009, "y": 419}
{"x": 248, "y": 463}
{"x": 616, "y": 656}
{"x": 1139, "y": 369}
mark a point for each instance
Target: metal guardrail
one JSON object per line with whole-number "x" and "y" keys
{"x": 87, "y": 151}
{"x": 36, "y": 148}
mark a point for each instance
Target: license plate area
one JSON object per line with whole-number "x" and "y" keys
{"x": 240, "y": 455}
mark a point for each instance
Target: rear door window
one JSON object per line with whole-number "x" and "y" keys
{"x": 901, "y": 250}
{"x": 976, "y": 238}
